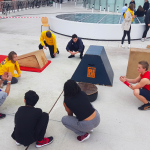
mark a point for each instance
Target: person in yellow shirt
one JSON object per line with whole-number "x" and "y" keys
{"x": 48, "y": 39}
{"x": 9, "y": 65}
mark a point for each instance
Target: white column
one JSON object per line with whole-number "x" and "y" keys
{"x": 100, "y": 8}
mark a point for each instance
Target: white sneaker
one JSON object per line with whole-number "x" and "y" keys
{"x": 122, "y": 46}
{"x": 129, "y": 46}
{"x": 18, "y": 144}
{"x": 143, "y": 39}
{"x": 91, "y": 131}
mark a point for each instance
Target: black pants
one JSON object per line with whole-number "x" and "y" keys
{"x": 72, "y": 48}
{"x": 124, "y": 35}
{"x": 13, "y": 81}
{"x": 41, "y": 127}
{"x": 51, "y": 49}
{"x": 146, "y": 30}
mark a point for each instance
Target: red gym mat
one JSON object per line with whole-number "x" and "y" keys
{"x": 2, "y": 57}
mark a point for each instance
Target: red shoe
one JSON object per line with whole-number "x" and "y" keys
{"x": 44, "y": 142}
{"x": 83, "y": 137}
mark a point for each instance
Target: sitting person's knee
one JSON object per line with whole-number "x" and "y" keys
{"x": 63, "y": 120}
{"x": 136, "y": 92}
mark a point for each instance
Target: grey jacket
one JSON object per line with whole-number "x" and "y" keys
{"x": 127, "y": 21}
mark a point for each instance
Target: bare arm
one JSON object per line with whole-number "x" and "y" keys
{"x": 7, "y": 90}
{"x": 70, "y": 113}
{"x": 133, "y": 81}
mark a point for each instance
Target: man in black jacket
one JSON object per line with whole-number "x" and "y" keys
{"x": 31, "y": 123}
{"x": 146, "y": 6}
{"x": 75, "y": 46}
{"x": 147, "y": 22}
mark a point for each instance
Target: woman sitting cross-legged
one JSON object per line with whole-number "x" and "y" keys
{"x": 86, "y": 117}
{"x": 9, "y": 65}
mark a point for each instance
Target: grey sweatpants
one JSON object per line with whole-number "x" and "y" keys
{"x": 80, "y": 127}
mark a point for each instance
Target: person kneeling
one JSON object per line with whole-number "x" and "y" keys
{"x": 31, "y": 123}
{"x": 75, "y": 46}
{"x": 10, "y": 64}
{"x": 142, "y": 89}
{"x": 77, "y": 102}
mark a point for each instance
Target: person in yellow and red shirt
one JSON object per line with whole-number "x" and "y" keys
{"x": 48, "y": 39}
{"x": 9, "y": 65}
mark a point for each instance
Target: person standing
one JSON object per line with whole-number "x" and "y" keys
{"x": 124, "y": 9}
{"x": 147, "y": 25}
{"x": 140, "y": 12}
{"x": 75, "y": 46}
{"x": 146, "y": 6}
{"x": 86, "y": 116}
{"x": 126, "y": 25}
{"x": 48, "y": 39}
{"x": 133, "y": 2}
{"x": 3, "y": 94}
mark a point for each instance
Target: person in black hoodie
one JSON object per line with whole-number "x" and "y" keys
{"x": 140, "y": 12}
{"x": 75, "y": 46}
{"x": 31, "y": 123}
{"x": 147, "y": 22}
{"x": 146, "y": 6}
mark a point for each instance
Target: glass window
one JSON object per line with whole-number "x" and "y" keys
{"x": 97, "y": 4}
{"x": 111, "y": 5}
{"x": 103, "y": 4}
{"x": 119, "y": 5}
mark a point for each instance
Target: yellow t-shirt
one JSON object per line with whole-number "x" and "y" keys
{"x": 7, "y": 66}
{"x": 49, "y": 41}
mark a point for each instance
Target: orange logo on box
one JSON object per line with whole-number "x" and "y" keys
{"x": 91, "y": 72}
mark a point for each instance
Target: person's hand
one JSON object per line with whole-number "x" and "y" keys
{"x": 4, "y": 76}
{"x": 145, "y": 10}
{"x": 9, "y": 78}
{"x": 133, "y": 17}
{"x": 73, "y": 53}
{"x": 122, "y": 79}
{"x": 45, "y": 47}
{"x": 54, "y": 54}
{"x": 149, "y": 24}
{"x": 19, "y": 75}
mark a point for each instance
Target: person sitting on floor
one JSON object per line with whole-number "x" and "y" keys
{"x": 9, "y": 65}
{"x": 3, "y": 94}
{"x": 31, "y": 123}
{"x": 142, "y": 89}
{"x": 140, "y": 12}
{"x": 77, "y": 102}
{"x": 75, "y": 46}
{"x": 48, "y": 39}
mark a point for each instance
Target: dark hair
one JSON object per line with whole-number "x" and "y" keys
{"x": 48, "y": 34}
{"x": 126, "y": 4}
{"x": 10, "y": 55}
{"x": 144, "y": 64}
{"x": 74, "y": 36}
{"x": 31, "y": 98}
{"x": 140, "y": 8}
{"x": 132, "y": 6}
{"x": 71, "y": 88}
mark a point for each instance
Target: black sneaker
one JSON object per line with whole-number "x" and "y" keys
{"x": 144, "y": 107}
{"x": 71, "y": 56}
{"x": 2, "y": 116}
{"x": 81, "y": 57}
{"x": 57, "y": 51}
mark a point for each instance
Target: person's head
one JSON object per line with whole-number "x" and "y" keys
{"x": 132, "y": 0}
{"x": 12, "y": 56}
{"x": 48, "y": 34}
{"x": 146, "y": 0}
{"x": 143, "y": 66}
{"x": 131, "y": 7}
{"x": 126, "y": 4}
{"x": 31, "y": 98}
{"x": 74, "y": 38}
{"x": 140, "y": 8}
{"x": 71, "y": 88}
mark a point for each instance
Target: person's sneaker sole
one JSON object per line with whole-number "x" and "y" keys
{"x": 3, "y": 118}
{"x": 144, "y": 109}
{"x": 38, "y": 146}
{"x": 85, "y": 138}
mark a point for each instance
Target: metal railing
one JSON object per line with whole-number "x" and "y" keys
{"x": 11, "y": 6}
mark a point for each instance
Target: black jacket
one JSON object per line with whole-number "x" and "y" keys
{"x": 139, "y": 13}
{"x": 146, "y": 6}
{"x": 78, "y": 46}
{"x": 147, "y": 18}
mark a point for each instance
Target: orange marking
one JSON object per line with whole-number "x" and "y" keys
{"x": 91, "y": 72}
